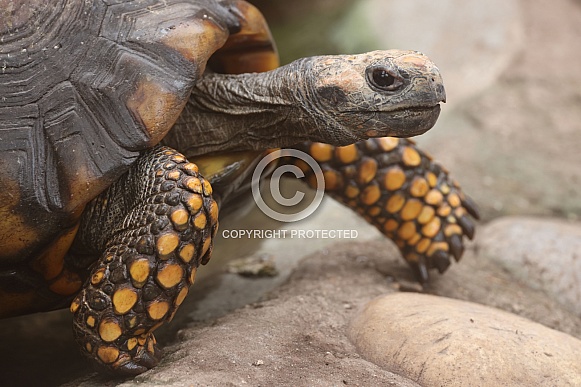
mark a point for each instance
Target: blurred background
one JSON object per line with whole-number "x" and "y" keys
{"x": 511, "y": 129}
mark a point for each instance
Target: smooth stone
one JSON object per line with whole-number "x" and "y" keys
{"x": 436, "y": 341}
{"x": 543, "y": 253}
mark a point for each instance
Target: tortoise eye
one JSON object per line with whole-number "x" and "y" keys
{"x": 383, "y": 79}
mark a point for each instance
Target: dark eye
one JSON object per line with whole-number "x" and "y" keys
{"x": 383, "y": 79}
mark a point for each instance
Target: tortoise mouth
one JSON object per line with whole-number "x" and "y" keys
{"x": 404, "y": 122}
{"x": 414, "y": 111}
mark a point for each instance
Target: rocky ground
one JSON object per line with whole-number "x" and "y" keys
{"x": 349, "y": 312}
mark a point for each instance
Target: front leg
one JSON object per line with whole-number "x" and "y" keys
{"x": 400, "y": 190}
{"x": 154, "y": 227}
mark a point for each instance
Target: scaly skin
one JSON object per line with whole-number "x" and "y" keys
{"x": 88, "y": 88}
{"x": 334, "y": 99}
{"x": 400, "y": 190}
{"x": 158, "y": 223}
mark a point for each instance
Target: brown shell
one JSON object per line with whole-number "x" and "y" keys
{"x": 85, "y": 86}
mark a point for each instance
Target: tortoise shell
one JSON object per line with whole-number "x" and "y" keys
{"x": 85, "y": 87}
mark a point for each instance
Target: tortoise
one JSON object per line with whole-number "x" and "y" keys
{"x": 102, "y": 213}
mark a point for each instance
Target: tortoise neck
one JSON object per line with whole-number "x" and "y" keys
{"x": 247, "y": 111}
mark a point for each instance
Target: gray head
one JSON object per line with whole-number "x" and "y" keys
{"x": 380, "y": 93}
{"x": 338, "y": 100}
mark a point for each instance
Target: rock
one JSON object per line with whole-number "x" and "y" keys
{"x": 299, "y": 333}
{"x": 515, "y": 146}
{"x": 543, "y": 253}
{"x": 484, "y": 281}
{"x": 436, "y": 341}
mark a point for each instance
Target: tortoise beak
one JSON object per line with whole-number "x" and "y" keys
{"x": 441, "y": 93}
{"x": 437, "y": 85}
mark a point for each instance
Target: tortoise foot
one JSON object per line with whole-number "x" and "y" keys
{"x": 149, "y": 261}
{"x": 139, "y": 360}
{"x": 399, "y": 189}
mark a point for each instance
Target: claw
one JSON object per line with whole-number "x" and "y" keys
{"x": 471, "y": 207}
{"x": 130, "y": 369}
{"x": 149, "y": 359}
{"x": 456, "y": 246}
{"x": 422, "y": 271}
{"x": 467, "y": 226}
{"x": 143, "y": 361}
{"x": 441, "y": 260}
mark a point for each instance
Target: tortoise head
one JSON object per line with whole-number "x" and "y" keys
{"x": 338, "y": 100}
{"x": 380, "y": 93}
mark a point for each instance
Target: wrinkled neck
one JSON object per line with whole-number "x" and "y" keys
{"x": 248, "y": 111}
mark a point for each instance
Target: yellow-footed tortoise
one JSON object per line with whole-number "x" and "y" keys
{"x": 100, "y": 212}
